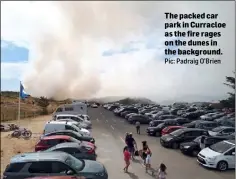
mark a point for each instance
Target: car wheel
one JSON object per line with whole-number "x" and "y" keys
{"x": 175, "y": 145}
{"x": 195, "y": 153}
{"x": 222, "y": 166}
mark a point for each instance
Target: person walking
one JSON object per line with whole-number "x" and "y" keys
{"x": 131, "y": 143}
{"x": 202, "y": 142}
{"x": 162, "y": 172}
{"x": 137, "y": 127}
{"x": 127, "y": 157}
{"x": 148, "y": 160}
{"x": 144, "y": 151}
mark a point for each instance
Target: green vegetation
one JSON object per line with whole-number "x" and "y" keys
{"x": 230, "y": 101}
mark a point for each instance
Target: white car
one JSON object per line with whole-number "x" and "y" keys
{"x": 220, "y": 155}
{"x": 94, "y": 106}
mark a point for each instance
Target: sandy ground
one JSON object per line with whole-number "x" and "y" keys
{"x": 11, "y": 146}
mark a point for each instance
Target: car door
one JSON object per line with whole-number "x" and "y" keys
{"x": 187, "y": 137}
{"x": 230, "y": 158}
{"x": 40, "y": 168}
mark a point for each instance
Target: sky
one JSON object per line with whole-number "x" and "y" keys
{"x": 117, "y": 50}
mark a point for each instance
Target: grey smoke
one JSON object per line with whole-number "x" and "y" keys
{"x": 65, "y": 59}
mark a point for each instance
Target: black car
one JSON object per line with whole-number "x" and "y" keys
{"x": 73, "y": 134}
{"x": 156, "y": 130}
{"x": 163, "y": 117}
{"x": 182, "y": 120}
{"x": 193, "y": 148}
{"x": 193, "y": 115}
{"x": 222, "y": 131}
{"x": 208, "y": 125}
{"x": 118, "y": 112}
{"x": 224, "y": 121}
{"x": 140, "y": 118}
{"x": 52, "y": 164}
{"x": 191, "y": 124}
{"x": 123, "y": 114}
{"x": 155, "y": 123}
{"x": 174, "y": 139}
{"x": 74, "y": 149}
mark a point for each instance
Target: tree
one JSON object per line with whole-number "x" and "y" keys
{"x": 43, "y": 102}
{"x": 230, "y": 101}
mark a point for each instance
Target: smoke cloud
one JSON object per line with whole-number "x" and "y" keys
{"x": 66, "y": 59}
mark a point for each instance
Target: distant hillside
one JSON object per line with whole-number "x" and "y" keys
{"x": 135, "y": 100}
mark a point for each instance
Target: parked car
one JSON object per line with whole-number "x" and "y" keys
{"x": 224, "y": 121}
{"x": 193, "y": 115}
{"x": 191, "y": 124}
{"x": 220, "y": 155}
{"x": 52, "y": 163}
{"x": 193, "y": 148}
{"x": 174, "y": 139}
{"x": 131, "y": 109}
{"x": 123, "y": 114}
{"x": 138, "y": 117}
{"x": 181, "y": 120}
{"x": 50, "y": 141}
{"x": 73, "y": 134}
{"x": 130, "y": 114}
{"x": 155, "y": 123}
{"x": 163, "y": 117}
{"x": 58, "y": 177}
{"x": 208, "y": 125}
{"x": 53, "y": 126}
{"x": 156, "y": 131}
{"x": 170, "y": 129}
{"x": 76, "y": 118}
{"x": 221, "y": 131}
{"x": 94, "y": 105}
{"x": 74, "y": 149}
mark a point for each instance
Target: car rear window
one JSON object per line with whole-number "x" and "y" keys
{"x": 15, "y": 167}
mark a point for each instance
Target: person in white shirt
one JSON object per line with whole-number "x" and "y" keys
{"x": 162, "y": 172}
{"x": 148, "y": 160}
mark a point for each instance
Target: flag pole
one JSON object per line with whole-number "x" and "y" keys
{"x": 19, "y": 103}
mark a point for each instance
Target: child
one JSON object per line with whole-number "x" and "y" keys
{"x": 162, "y": 172}
{"x": 148, "y": 160}
{"x": 127, "y": 157}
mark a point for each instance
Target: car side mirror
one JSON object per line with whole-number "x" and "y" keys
{"x": 69, "y": 172}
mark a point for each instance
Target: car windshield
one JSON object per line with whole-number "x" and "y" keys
{"x": 221, "y": 147}
{"x": 217, "y": 129}
{"x": 76, "y": 127}
{"x": 74, "y": 163}
{"x": 198, "y": 139}
{"x": 161, "y": 125}
{"x": 177, "y": 132}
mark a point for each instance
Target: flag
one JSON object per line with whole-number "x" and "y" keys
{"x": 23, "y": 95}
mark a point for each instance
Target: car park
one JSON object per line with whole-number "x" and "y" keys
{"x": 50, "y": 141}
{"x": 73, "y": 134}
{"x": 220, "y": 155}
{"x": 76, "y": 118}
{"x": 221, "y": 131}
{"x": 52, "y": 163}
{"x": 77, "y": 150}
{"x": 174, "y": 139}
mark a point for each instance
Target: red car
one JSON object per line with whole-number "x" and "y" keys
{"x": 170, "y": 129}
{"x": 50, "y": 141}
{"x": 58, "y": 177}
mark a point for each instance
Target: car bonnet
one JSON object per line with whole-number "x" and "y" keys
{"x": 93, "y": 167}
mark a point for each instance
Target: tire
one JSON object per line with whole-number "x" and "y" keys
{"x": 175, "y": 145}
{"x": 27, "y": 134}
{"x": 16, "y": 134}
{"x": 222, "y": 165}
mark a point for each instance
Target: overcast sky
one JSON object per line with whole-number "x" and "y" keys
{"x": 87, "y": 49}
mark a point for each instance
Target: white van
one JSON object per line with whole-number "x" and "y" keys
{"x": 53, "y": 126}
{"x": 76, "y": 118}
{"x": 220, "y": 155}
{"x": 74, "y": 108}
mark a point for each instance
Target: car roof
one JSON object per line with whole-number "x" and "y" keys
{"x": 55, "y": 137}
{"x": 66, "y": 145}
{"x": 207, "y": 122}
{"x": 73, "y": 115}
{"x": 192, "y": 129}
{"x": 54, "y": 132}
{"x": 39, "y": 156}
{"x": 230, "y": 141}
{"x": 225, "y": 127}
{"x": 175, "y": 126}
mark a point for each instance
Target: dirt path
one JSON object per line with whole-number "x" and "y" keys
{"x": 11, "y": 146}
